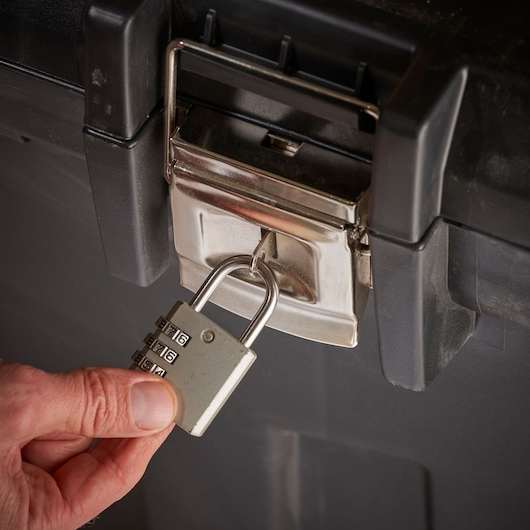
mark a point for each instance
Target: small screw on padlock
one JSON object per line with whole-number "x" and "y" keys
{"x": 203, "y": 362}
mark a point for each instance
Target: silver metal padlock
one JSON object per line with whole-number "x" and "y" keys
{"x": 202, "y": 361}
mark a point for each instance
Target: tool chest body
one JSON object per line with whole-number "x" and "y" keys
{"x": 425, "y": 423}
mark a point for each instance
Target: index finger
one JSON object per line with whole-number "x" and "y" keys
{"x": 90, "y": 482}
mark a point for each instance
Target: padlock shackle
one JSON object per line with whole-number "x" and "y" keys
{"x": 267, "y": 307}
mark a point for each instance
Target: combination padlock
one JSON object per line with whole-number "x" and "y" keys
{"x": 202, "y": 361}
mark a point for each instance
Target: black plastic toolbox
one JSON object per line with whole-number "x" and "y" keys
{"x": 315, "y": 436}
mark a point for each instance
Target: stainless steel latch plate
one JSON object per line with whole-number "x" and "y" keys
{"x": 231, "y": 180}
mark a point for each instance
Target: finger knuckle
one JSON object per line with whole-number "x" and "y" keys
{"x": 17, "y": 407}
{"x": 101, "y": 410}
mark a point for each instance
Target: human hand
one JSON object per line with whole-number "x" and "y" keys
{"x": 52, "y": 477}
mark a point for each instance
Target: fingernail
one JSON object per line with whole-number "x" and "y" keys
{"x": 152, "y": 405}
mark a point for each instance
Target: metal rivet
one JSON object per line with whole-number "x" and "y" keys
{"x": 207, "y": 335}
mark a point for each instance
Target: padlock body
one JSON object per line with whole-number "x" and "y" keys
{"x": 202, "y": 362}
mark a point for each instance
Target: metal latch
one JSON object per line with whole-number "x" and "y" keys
{"x": 236, "y": 177}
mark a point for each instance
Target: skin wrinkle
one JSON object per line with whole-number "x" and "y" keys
{"x": 97, "y": 411}
{"x": 19, "y": 413}
{"x": 17, "y": 499}
{"x": 51, "y": 478}
{"x": 110, "y": 460}
{"x": 45, "y": 493}
{"x": 47, "y": 453}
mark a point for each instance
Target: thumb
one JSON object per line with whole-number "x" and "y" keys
{"x": 91, "y": 402}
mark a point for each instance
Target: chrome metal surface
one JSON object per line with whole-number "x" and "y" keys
{"x": 266, "y": 249}
{"x": 171, "y": 102}
{"x": 213, "y": 218}
{"x": 278, "y": 76}
{"x": 232, "y": 181}
{"x": 264, "y": 73}
{"x": 267, "y": 307}
{"x": 228, "y": 152}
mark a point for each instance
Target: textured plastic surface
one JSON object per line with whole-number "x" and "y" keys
{"x": 123, "y": 61}
{"x": 45, "y": 36}
{"x": 487, "y": 178}
{"x": 419, "y": 327}
{"x": 127, "y": 177}
{"x": 124, "y": 57}
{"x": 37, "y": 106}
{"x": 130, "y": 197}
{"x": 414, "y": 136}
{"x": 489, "y": 276}
{"x": 300, "y": 52}
{"x": 326, "y": 42}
